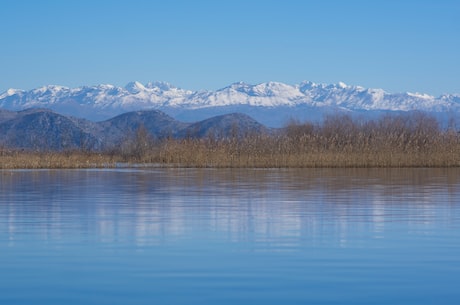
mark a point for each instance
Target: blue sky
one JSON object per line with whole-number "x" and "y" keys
{"x": 397, "y": 45}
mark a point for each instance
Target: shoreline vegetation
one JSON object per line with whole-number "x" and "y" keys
{"x": 412, "y": 140}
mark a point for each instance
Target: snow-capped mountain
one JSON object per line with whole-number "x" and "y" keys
{"x": 271, "y": 103}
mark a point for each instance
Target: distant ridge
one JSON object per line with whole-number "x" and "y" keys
{"x": 271, "y": 103}
{"x": 46, "y": 130}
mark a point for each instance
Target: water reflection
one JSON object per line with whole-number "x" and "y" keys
{"x": 275, "y": 209}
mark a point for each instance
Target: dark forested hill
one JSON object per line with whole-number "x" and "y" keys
{"x": 42, "y": 129}
{"x": 222, "y": 126}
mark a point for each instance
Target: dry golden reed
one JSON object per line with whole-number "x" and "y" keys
{"x": 51, "y": 160}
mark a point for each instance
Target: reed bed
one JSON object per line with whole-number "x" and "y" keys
{"x": 54, "y": 160}
{"x": 414, "y": 140}
{"x": 186, "y": 154}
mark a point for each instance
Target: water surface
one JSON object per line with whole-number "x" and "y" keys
{"x": 208, "y": 236}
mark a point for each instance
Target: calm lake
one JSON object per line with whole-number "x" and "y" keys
{"x": 213, "y": 236}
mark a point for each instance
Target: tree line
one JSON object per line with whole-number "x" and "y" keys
{"x": 414, "y": 139}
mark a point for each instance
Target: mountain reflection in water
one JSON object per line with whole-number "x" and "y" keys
{"x": 278, "y": 208}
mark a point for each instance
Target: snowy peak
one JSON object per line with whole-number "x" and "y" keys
{"x": 264, "y": 90}
{"x": 276, "y": 89}
{"x": 309, "y": 86}
{"x": 134, "y": 87}
{"x": 163, "y": 86}
{"x": 10, "y": 92}
{"x": 237, "y": 87}
{"x": 420, "y": 95}
{"x": 50, "y": 89}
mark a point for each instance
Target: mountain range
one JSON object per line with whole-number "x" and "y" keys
{"x": 44, "y": 129}
{"x": 271, "y": 103}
